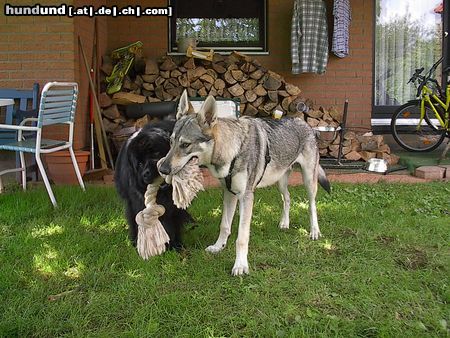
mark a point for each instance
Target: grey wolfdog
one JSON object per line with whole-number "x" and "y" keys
{"x": 245, "y": 154}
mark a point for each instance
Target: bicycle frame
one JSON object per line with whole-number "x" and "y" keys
{"x": 425, "y": 98}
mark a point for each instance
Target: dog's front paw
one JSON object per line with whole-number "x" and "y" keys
{"x": 283, "y": 225}
{"x": 314, "y": 234}
{"x": 239, "y": 269}
{"x": 214, "y": 248}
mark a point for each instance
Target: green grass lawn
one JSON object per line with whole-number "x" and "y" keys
{"x": 381, "y": 268}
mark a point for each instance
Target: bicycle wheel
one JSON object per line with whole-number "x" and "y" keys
{"x": 412, "y": 137}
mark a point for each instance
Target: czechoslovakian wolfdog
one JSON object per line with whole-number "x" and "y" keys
{"x": 245, "y": 154}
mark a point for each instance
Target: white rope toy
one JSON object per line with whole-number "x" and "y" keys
{"x": 152, "y": 237}
{"x": 186, "y": 183}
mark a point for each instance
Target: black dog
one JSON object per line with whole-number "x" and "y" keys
{"x": 136, "y": 168}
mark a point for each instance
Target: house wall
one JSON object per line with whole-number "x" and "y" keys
{"x": 42, "y": 49}
{"x": 350, "y": 77}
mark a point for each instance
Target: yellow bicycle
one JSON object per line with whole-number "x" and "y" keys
{"x": 422, "y": 125}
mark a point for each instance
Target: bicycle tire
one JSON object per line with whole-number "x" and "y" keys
{"x": 404, "y": 128}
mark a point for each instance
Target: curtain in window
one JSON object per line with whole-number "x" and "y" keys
{"x": 408, "y": 35}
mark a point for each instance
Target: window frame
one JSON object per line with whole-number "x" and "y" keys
{"x": 381, "y": 115}
{"x": 262, "y": 49}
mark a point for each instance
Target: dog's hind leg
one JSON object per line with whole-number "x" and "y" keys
{"x": 229, "y": 208}
{"x": 310, "y": 175}
{"x": 283, "y": 188}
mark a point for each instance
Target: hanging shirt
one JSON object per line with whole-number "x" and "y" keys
{"x": 342, "y": 18}
{"x": 309, "y": 37}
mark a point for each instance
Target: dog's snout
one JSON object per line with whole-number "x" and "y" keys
{"x": 164, "y": 168}
{"x": 147, "y": 173}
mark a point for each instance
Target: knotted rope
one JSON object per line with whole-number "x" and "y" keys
{"x": 152, "y": 237}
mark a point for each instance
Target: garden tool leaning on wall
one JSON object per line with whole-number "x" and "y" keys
{"x": 125, "y": 57}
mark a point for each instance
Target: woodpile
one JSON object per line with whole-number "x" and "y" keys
{"x": 259, "y": 90}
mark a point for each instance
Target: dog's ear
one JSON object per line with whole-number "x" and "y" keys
{"x": 184, "y": 106}
{"x": 207, "y": 114}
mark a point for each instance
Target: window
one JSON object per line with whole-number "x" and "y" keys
{"x": 223, "y": 25}
{"x": 408, "y": 35}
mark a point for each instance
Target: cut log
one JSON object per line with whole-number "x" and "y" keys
{"x": 219, "y": 84}
{"x": 189, "y": 64}
{"x": 250, "y": 95}
{"x": 260, "y": 91}
{"x": 317, "y": 114}
{"x": 349, "y": 135}
{"x": 207, "y": 85}
{"x": 148, "y": 86}
{"x": 138, "y": 81}
{"x": 183, "y": 80}
{"x": 159, "y": 81}
{"x": 236, "y": 90}
{"x": 150, "y": 78}
{"x": 250, "y": 110}
{"x": 237, "y": 74}
{"x": 249, "y": 84}
{"x": 165, "y": 74}
{"x": 168, "y": 64}
{"x": 197, "y": 85}
{"x": 212, "y": 73}
{"x": 270, "y": 106}
{"x": 370, "y": 143}
{"x": 272, "y": 81}
{"x": 162, "y": 94}
{"x": 248, "y": 67}
{"x": 242, "y": 99}
{"x": 335, "y": 114}
{"x": 110, "y": 126}
{"x": 191, "y": 92}
{"x": 140, "y": 123}
{"x": 127, "y": 98}
{"x": 174, "y": 82}
{"x": 151, "y": 67}
{"x": 257, "y": 74}
{"x": 208, "y": 78}
{"x": 175, "y": 73}
{"x": 104, "y": 100}
{"x": 367, "y": 155}
{"x": 286, "y": 102}
{"x": 312, "y": 122}
{"x": 292, "y": 90}
{"x": 198, "y": 72}
{"x": 111, "y": 112}
{"x": 258, "y": 102}
{"x": 283, "y": 93}
{"x": 229, "y": 78}
{"x": 202, "y": 92}
{"x": 273, "y": 95}
{"x": 219, "y": 68}
{"x": 353, "y": 156}
{"x": 175, "y": 92}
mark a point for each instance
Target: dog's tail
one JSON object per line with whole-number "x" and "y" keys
{"x": 323, "y": 180}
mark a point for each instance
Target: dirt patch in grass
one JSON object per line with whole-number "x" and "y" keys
{"x": 413, "y": 259}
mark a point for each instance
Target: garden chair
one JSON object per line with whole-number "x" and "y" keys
{"x": 25, "y": 105}
{"x": 57, "y": 106}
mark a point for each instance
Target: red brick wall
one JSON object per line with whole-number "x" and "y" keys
{"x": 43, "y": 49}
{"x": 152, "y": 31}
{"x": 350, "y": 77}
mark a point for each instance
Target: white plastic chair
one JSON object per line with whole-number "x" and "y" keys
{"x": 57, "y": 106}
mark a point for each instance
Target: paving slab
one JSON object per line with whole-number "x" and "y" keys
{"x": 430, "y": 172}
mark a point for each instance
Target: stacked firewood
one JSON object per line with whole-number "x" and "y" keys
{"x": 260, "y": 91}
